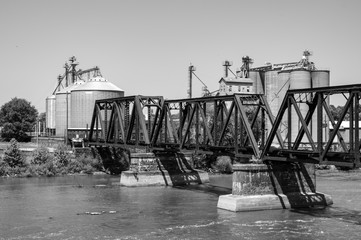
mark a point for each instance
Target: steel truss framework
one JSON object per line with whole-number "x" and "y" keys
{"x": 303, "y": 147}
{"x": 125, "y": 121}
{"x": 233, "y": 124}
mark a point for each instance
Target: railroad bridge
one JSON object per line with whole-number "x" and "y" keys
{"x": 241, "y": 126}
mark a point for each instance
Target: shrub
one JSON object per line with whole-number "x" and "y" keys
{"x": 45, "y": 169}
{"x": 82, "y": 164}
{"x": 202, "y": 161}
{"x": 12, "y": 155}
{"x": 62, "y": 156}
{"x": 223, "y": 164}
{"x": 40, "y": 155}
{"x": 4, "y": 168}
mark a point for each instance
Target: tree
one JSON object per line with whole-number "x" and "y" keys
{"x": 17, "y": 117}
{"x": 12, "y": 155}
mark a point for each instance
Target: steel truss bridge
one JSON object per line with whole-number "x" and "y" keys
{"x": 235, "y": 125}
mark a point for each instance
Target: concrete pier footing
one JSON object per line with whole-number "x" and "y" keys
{"x": 273, "y": 186}
{"x": 164, "y": 169}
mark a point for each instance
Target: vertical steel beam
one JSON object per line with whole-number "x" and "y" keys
{"x": 236, "y": 133}
{"x": 205, "y": 127}
{"x": 289, "y": 122}
{"x": 357, "y": 133}
{"x": 319, "y": 123}
{"x": 352, "y": 120}
{"x": 215, "y": 121}
{"x": 180, "y": 130}
{"x": 196, "y": 106}
{"x": 263, "y": 126}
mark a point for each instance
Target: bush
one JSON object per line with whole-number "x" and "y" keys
{"x": 12, "y": 155}
{"x": 223, "y": 164}
{"x": 44, "y": 163}
{"x": 82, "y": 165}
{"x": 45, "y": 169}
{"x": 202, "y": 161}
{"x": 4, "y": 168}
{"x": 40, "y": 155}
{"x": 62, "y": 156}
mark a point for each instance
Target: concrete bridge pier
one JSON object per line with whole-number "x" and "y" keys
{"x": 163, "y": 169}
{"x": 275, "y": 185}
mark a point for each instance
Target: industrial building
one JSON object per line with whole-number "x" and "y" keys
{"x": 273, "y": 80}
{"x": 71, "y": 105}
{"x": 70, "y": 108}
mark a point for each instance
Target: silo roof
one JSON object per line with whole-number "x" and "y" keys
{"x": 98, "y": 84}
{"x": 71, "y": 87}
{"x": 51, "y": 97}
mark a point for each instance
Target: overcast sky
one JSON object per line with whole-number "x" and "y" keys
{"x": 145, "y": 46}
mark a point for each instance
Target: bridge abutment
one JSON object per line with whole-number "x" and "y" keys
{"x": 276, "y": 185}
{"x": 162, "y": 169}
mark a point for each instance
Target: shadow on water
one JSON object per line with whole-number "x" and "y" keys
{"x": 294, "y": 181}
{"x": 179, "y": 170}
{"x": 336, "y": 213}
{"x": 206, "y": 188}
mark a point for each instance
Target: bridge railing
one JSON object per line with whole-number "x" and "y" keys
{"x": 306, "y": 113}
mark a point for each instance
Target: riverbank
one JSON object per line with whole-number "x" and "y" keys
{"x": 42, "y": 161}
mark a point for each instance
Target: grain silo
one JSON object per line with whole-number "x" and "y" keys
{"x": 299, "y": 79}
{"x": 270, "y": 90}
{"x": 63, "y": 106}
{"x": 50, "y": 114}
{"x": 257, "y": 82}
{"x": 283, "y": 84}
{"x": 320, "y": 78}
{"x": 83, "y": 99}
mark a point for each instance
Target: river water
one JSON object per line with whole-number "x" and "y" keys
{"x": 95, "y": 207}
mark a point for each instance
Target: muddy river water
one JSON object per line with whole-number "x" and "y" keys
{"x": 95, "y": 207}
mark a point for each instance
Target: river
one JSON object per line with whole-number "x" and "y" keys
{"x": 95, "y": 207}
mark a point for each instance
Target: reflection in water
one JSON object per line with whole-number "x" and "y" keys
{"x": 60, "y": 208}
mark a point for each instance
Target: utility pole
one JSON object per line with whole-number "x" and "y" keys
{"x": 191, "y": 69}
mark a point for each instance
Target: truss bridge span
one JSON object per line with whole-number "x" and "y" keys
{"x": 303, "y": 130}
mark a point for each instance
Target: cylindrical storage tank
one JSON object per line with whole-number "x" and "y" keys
{"x": 84, "y": 97}
{"x": 50, "y": 113}
{"x": 63, "y": 107}
{"x": 283, "y": 84}
{"x": 257, "y": 84}
{"x": 270, "y": 88}
{"x": 299, "y": 79}
{"x": 320, "y": 78}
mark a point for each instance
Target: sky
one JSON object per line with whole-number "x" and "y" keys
{"x": 146, "y": 46}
